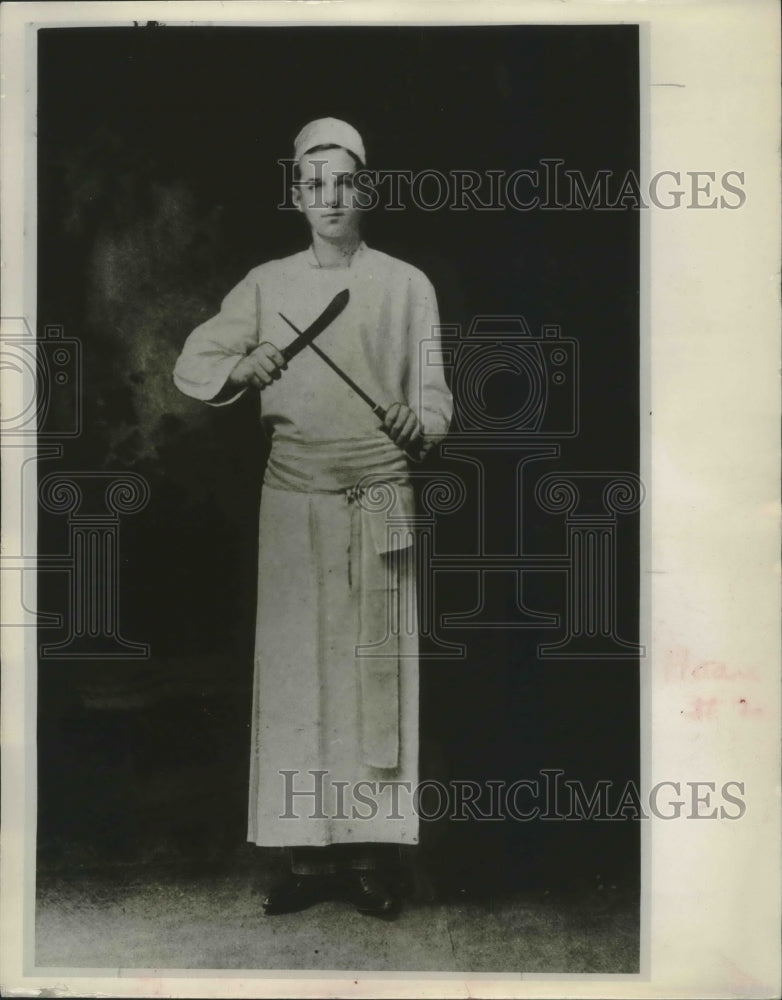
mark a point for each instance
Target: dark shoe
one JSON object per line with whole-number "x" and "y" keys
{"x": 371, "y": 896}
{"x": 299, "y": 892}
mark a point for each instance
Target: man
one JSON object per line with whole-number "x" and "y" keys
{"x": 335, "y": 703}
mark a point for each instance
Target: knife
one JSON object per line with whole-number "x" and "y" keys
{"x": 329, "y": 314}
{"x": 377, "y": 409}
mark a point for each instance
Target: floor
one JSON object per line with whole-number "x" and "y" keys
{"x": 175, "y": 917}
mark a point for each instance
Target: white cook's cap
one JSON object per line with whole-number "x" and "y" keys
{"x": 326, "y": 132}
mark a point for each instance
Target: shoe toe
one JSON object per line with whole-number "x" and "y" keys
{"x": 294, "y": 894}
{"x": 373, "y": 898}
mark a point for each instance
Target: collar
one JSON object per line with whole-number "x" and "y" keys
{"x": 312, "y": 260}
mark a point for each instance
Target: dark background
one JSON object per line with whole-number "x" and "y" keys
{"x": 157, "y": 193}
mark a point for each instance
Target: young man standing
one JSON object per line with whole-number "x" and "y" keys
{"x": 335, "y": 702}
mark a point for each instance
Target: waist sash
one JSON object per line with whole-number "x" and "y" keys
{"x": 372, "y": 472}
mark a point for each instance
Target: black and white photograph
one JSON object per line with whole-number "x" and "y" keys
{"x": 336, "y": 446}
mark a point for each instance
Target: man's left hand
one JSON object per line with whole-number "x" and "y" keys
{"x": 402, "y": 425}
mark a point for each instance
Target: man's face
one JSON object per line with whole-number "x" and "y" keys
{"x": 325, "y": 193}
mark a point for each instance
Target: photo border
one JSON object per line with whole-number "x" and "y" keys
{"x": 680, "y": 129}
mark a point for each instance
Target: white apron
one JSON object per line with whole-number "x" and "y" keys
{"x": 336, "y": 676}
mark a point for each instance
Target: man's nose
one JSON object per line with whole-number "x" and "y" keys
{"x": 332, "y": 193}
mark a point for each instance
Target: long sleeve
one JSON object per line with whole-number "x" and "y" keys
{"x": 213, "y": 349}
{"x": 427, "y": 389}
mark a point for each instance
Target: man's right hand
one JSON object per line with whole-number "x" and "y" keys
{"x": 260, "y": 368}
